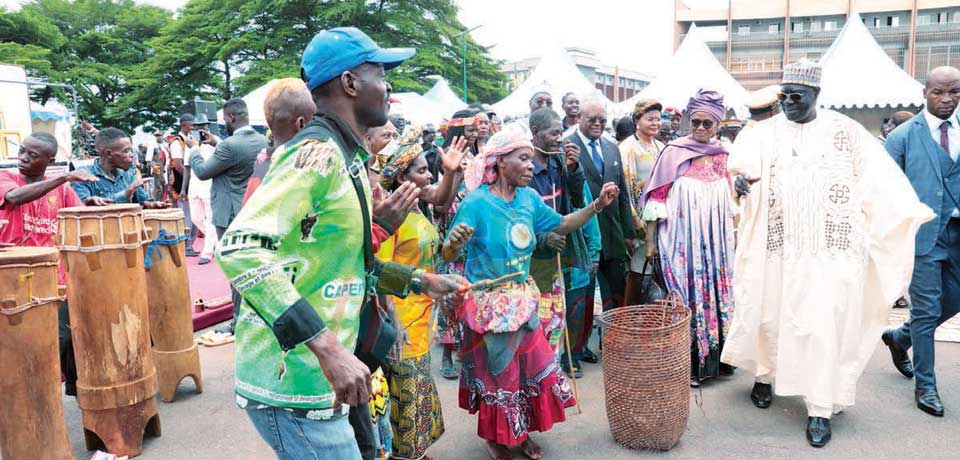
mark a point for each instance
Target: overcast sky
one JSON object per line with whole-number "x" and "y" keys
{"x": 634, "y": 34}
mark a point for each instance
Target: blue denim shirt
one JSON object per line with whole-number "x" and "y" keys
{"x": 111, "y": 188}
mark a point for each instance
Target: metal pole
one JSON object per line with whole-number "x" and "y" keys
{"x": 912, "y": 42}
{"x": 729, "y": 33}
{"x": 463, "y": 35}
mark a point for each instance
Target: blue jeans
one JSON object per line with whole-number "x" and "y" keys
{"x": 297, "y": 438}
{"x": 934, "y": 298}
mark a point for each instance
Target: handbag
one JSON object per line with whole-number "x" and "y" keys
{"x": 653, "y": 286}
{"x": 378, "y": 328}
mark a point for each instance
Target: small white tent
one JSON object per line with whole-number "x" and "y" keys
{"x": 254, "y": 100}
{"x": 858, "y": 73}
{"x": 444, "y": 97}
{"x": 692, "y": 67}
{"x": 53, "y": 118}
{"x": 438, "y": 103}
{"x": 418, "y": 109}
{"x": 557, "y": 74}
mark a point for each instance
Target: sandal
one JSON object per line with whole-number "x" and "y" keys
{"x": 531, "y": 449}
{"x": 215, "y": 339}
{"x": 497, "y": 451}
{"x": 449, "y": 373}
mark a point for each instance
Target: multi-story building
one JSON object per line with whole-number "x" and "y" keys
{"x": 754, "y": 39}
{"x": 616, "y": 83}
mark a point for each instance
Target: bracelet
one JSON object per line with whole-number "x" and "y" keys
{"x": 594, "y": 206}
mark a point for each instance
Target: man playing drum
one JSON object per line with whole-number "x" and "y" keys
{"x": 29, "y": 201}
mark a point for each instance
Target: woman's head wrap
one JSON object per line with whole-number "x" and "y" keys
{"x": 398, "y": 155}
{"x": 708, "y": 102}
{"x": 482, "y": 169}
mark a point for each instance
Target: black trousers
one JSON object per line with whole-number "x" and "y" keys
{"x": 612, "y": 276}
{"x": 362, "y": 423}
{"x": 68, "y": 363}
{"x": 234, "y": 295}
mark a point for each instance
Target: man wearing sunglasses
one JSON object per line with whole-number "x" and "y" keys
{"x": 600, "y": 160}
{"x": 826, "y": 240}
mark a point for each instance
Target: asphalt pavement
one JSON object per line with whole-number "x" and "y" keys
{"x": 723, "y": 424}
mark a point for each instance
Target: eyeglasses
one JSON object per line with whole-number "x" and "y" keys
{"x": 707, "y": 124}
{"x": 595, "y": 120}
{"x": 795, "y": 97}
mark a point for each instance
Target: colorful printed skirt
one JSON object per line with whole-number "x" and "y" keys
{"x": 448, "y": 321}
{"x": 530, "y": 394}
{"x": 380, "y": 412}
{"x": 550, "y": 309}
{"x": 696, "y": 244}
{"x": 415, "y": 413}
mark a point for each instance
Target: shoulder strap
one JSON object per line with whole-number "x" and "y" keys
{"x": 355, "y": 170}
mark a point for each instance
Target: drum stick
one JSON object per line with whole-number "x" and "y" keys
{"x": 494, "y": 282}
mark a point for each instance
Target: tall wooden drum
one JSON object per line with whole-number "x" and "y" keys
{"x": 32, "y": 424}
{"x": 168, "y": 292}
{"x": 110, "y": 324}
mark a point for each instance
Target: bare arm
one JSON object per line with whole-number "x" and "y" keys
{"x": 452, "y": 160}
{"x": 30, "y": 192}
{"x": 37, "y": 190}
{"x": 577, "y": 219}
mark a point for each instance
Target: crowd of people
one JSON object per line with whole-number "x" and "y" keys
{"x": 354, "y": 242}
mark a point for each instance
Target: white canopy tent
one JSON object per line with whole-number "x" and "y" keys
{"x": 858, "y": 73}
{"x": 254, "y": 100}
{"x": 418, "y": 109}
{"x": 557, "y": 74}
{"x": 437, "y": 103}
{"x": 692, "y": 67}
{"x": 54, "y": 118}
{"x": 444, "y": 97}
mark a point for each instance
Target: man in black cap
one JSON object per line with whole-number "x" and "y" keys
{"x": 180, "y": 177}
{"x": 300, "y": 253}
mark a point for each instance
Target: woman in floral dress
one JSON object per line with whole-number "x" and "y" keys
{"x": 689, "y": 214}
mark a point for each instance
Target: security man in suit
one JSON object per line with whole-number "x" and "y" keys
{"x": 230, "y": 167}
{"x": 926, "y": 148}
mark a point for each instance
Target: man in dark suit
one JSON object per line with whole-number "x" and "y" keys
{"x": 230, "y": 167}
{"x": 600, "y": 160}
{"x": 927, "y": 148}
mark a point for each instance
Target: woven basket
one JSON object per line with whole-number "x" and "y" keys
{"x": 646, "y": 373}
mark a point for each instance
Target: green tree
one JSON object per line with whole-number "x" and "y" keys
{"x": 94, "y": 45}
{"x": 220, "y": 49}
{"x": 27, "y": 39}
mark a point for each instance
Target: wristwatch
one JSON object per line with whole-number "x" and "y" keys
{"x": 416, "y": 282}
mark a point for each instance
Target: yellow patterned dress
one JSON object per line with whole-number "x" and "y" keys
{"x": 415, "y": 413}
{"x": 638, "y": 160}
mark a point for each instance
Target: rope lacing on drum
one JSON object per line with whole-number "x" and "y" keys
{"x": 161, "y": 240}
{"x": 34, "y": 301}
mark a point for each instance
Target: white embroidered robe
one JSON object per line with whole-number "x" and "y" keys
{"x": 825, "y": 247}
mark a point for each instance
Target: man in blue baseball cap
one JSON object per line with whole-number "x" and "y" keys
{"x": 300, "y": 253}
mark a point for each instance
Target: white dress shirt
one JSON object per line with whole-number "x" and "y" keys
{"x": 953, "y": 131}
{"x": 953, "y": 136}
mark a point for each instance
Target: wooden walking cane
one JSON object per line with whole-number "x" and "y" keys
{"x": 566, "y": 330}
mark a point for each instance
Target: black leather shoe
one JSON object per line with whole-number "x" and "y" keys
{"x": 929, "y": 402}
{"x": 818, "y": 431}
{"x": 589, "y": 356}
{"x": 762, "y": 395}
{"x": 900, "y": 358}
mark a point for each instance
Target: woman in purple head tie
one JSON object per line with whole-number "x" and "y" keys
{"x": 687, "y": 205}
